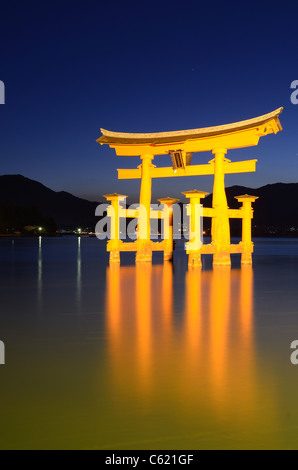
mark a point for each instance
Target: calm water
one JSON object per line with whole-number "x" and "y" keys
{"x": 146, "y": 357}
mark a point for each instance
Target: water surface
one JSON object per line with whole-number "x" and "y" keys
{"x": 146, "y": 357}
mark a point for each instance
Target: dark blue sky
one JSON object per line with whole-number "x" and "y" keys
{"x": 72, "y": 67}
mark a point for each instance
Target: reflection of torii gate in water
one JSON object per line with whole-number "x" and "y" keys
{"x": 181, "y": 145}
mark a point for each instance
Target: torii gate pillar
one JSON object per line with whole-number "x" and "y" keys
{"x": 144, "y": 251}
{"x": 246, "y": 242}
{"x": 220, "y": 230}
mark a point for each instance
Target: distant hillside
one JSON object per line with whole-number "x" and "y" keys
{"x": 68, "y": 211}
{"x": 275, "y": 212}
{"x": 25, "y": 221}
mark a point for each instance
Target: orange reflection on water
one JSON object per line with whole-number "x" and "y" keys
{"x": 143, "y": 306}
{"x": 195, "y": 357}
{"x": 218, "y": 327}
{"x": 246, "y": 299}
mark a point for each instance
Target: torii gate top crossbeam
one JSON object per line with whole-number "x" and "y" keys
{"x": 236, "y": 135}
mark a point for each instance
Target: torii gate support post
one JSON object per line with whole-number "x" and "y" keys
{"x": 247, "y": 244}
{"x": 193, "y": 247}
{"x": 144, "y": 249}
{"x": 220, "y": 230}
{"x": 113, "y": 212}
{"x": 168, "y": 226}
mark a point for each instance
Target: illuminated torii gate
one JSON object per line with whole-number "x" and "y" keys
{"x": 181, "y": 145}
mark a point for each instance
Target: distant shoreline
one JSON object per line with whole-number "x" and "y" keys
{"x": 94, "y": 236}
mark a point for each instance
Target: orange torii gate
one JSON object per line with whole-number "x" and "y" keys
{"x": 180, "y": 145}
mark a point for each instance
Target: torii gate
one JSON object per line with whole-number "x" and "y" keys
{"x": 181, "y": 145}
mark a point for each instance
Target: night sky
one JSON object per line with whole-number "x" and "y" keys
{"x": 72, "y": 67}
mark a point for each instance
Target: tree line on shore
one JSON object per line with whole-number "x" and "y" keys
{"x": 25, "y": 221}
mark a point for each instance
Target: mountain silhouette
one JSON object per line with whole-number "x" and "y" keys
{"x": 275, "y": 212}
{"x": 67, "y": 211}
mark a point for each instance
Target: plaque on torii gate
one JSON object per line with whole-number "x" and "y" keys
{"x": 180, "y": 145}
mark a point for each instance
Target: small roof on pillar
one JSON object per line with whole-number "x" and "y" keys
{"x": 246, "y": 196}
{"x": 262, "y": 125}
{"x": 114, "y": 196}
{"x": 195, "y": 192}
{"x": 169, "y": 200}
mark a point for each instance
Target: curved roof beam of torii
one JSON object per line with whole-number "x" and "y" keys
{"x": 235, "y": 135}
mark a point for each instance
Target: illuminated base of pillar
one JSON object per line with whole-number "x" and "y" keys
{"x": 144, "y": 253}
{"x": 221, "y": 259}
{"x": 114, "y": 257}
{"x": 194, "y": 260}
{"x": 168, "y": 255}
{"x": 246, "y": 258}
{"x": 141, "y": 257}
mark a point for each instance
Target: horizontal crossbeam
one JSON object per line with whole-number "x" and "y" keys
{"x": 133, "y": 246}
{"x": 191, "y": 170}
{"x": 211, "y": 249}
